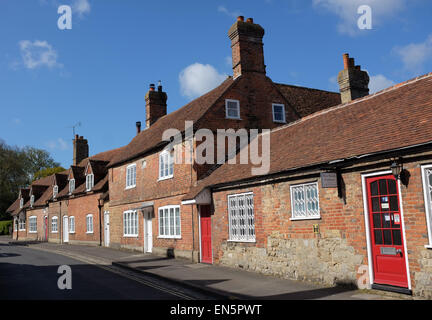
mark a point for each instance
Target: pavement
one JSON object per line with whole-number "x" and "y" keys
{"x": 221, "y": 282}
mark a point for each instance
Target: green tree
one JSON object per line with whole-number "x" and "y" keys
{"x": 18, "y": 167}
{"x": 47, "y": 172}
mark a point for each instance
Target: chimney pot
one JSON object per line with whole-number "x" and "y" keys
{"x": 240, "y": 18}
{"x": 351, "y": 62}
{"x": 346, "y": 60}
{"x": 249, "y": 20}
{"x": 138, "y": 126}
{"x": 152, "y": 87}
{"x": 80, "y": 149}
{"x": 160, "y": 86}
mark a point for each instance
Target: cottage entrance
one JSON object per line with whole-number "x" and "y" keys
{"x": 387, "y": 241}
{"x": 45, "y": 225}
{"x": 106, "y": 229}
{"x": 148, "y": 231}
{"x": 206, "y": 244}
{"x": 65, "y": 229}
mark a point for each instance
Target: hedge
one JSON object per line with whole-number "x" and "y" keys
{"x": 4, "y": 226}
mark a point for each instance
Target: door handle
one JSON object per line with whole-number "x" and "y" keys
{"x": 399, "y": 252}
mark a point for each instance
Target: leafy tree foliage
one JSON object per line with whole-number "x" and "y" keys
{"x": 18, "y": 168}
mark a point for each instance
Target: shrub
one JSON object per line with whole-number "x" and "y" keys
{"x": 4, "y": 226}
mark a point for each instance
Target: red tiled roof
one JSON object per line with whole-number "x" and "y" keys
{"x": 306, "y": 101}
{"x": 397, "y": 117}
{"x": 152, "y": 137}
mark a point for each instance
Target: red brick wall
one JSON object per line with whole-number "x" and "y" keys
{"x": 56, "y": 208}
{"x": 80, "y": 207}
{"x": 341, "y": 225}
{"x": 39, "y": 214}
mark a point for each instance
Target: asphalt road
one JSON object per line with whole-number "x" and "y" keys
{"x": 26, "y": 273}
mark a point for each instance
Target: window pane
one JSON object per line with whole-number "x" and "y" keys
{"x": 177, "y": 221}
{"x": 383, "y": 186}
{"x": 374, "y": 188}
{"x": 161, "y": 223}
{"x": 392, "y": 186}
{"x": 387, "y": 237}
{"x": 171, "y": 215}
{"x": 378, "y": 236}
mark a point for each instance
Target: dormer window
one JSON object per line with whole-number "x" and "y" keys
{"x": 278, "y": 113}
{"x": 232, "y": 109}
{"x": 32, "y": 198}
{"x": 21, "y": 203}
{"x": 89, "y": 181}
{"x": 71, "y": 185}
{"x": 55, "y": 191}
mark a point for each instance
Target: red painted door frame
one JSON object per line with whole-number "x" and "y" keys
{"x": 387, "y": 239}
{"x": 206, "y": 243}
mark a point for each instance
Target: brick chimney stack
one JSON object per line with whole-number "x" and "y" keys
{"x": 247, "y": 47}
{"x": 80, "y": 149}
{"x": 156, "y": 104}
{"x": 353, "y": 82}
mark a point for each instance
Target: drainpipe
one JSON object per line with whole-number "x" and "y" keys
{"x": 100, "y": 204}
{"x": 60, "y": 225}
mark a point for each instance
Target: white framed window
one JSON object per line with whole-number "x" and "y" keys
{"x": 131, "y": 176}
{"x": 278, "y": 112}
{"x": 241, "y": 217}
{"x": 22, "y": 225}
{"x": 54, "y": 224}
{"x": 166, "y": 165}
{"x": 55, "y": 191}
{"x": 427, "y": 192}
{"x": 32, "y": 224}
{"x": 15, "y": 224}
{"x": 89, "y": 223}
{"x": 232, "y": 109}
{"x": 71, "y": 185}
{"x": 21, "y": 202}
{"x": 72, "y": 224}
{"x": 89, "y": 181}
{"x": 130, "y": 223}
{"x": 169, "y": 222}
{"x": 32, "y": 199}
{"x": 305, "y": 201}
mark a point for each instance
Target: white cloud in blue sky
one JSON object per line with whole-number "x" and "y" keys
{"x": 59, "y": 144}
{"x": 346, "y": 10}
{"x": 415, "y": 55}
{"x": 198, "y": 79}
{"x": 38, "y": 54}
{"x": 379, "y": 82}
{"x": 233, "y": 14}
{"x": 81, "y": 7}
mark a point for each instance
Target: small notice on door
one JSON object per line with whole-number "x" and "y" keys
{"x": 396, "y": 219}
{"x": 384, "y": 203}
{"x": 387, "y": 217}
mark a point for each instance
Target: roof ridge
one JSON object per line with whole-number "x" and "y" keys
{"x": 302, "y": 87}
{"x": 353, "y": 102}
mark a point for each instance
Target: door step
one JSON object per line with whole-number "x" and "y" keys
{"x": 395, "y": 289}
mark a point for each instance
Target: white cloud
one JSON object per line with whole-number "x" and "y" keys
{"x": 228, "y": 61}
{"x": 379, "y": 82}
{"x": 81, "y": 7}
{"x": 198, "y": 79}
{"x": 38, "y": 54}
{"x": 224, "y": 10}
{"x": 415, "y": 55}
{"x": 60, "y": 144}
{"x": 347, "y": 12}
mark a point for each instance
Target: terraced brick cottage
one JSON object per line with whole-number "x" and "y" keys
{"x": 348, "y": 198}
{"x": 146, "y": 187}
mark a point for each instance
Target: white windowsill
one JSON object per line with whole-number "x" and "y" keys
{"x": 22, "y": 230}
{"x": 169, "y": 237}
{"x": 130, "y": 187}
{"x": 240, "y": 241}
{"x": 130, "y": 236}
{"x": 71, "y": 232}
{"x": 89, "y": 232}
{"x": 428, "y": 246}
{"x": 277, "y": 121}
{"x": 231, "y": 118}
{"x": 33, "y": 231}
{"x": 307, "y": 218}
{"x": 166, "y": 178}
{"x": 54, "y": 231}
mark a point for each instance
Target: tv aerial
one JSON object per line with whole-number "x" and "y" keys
{"x": 78, "y": 124}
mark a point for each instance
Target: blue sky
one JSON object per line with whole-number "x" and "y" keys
{"x": 98, "y": 72}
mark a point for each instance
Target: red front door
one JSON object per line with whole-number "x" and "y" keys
{"x": 385, "y": 222}
{"x": 206, "y": 245}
